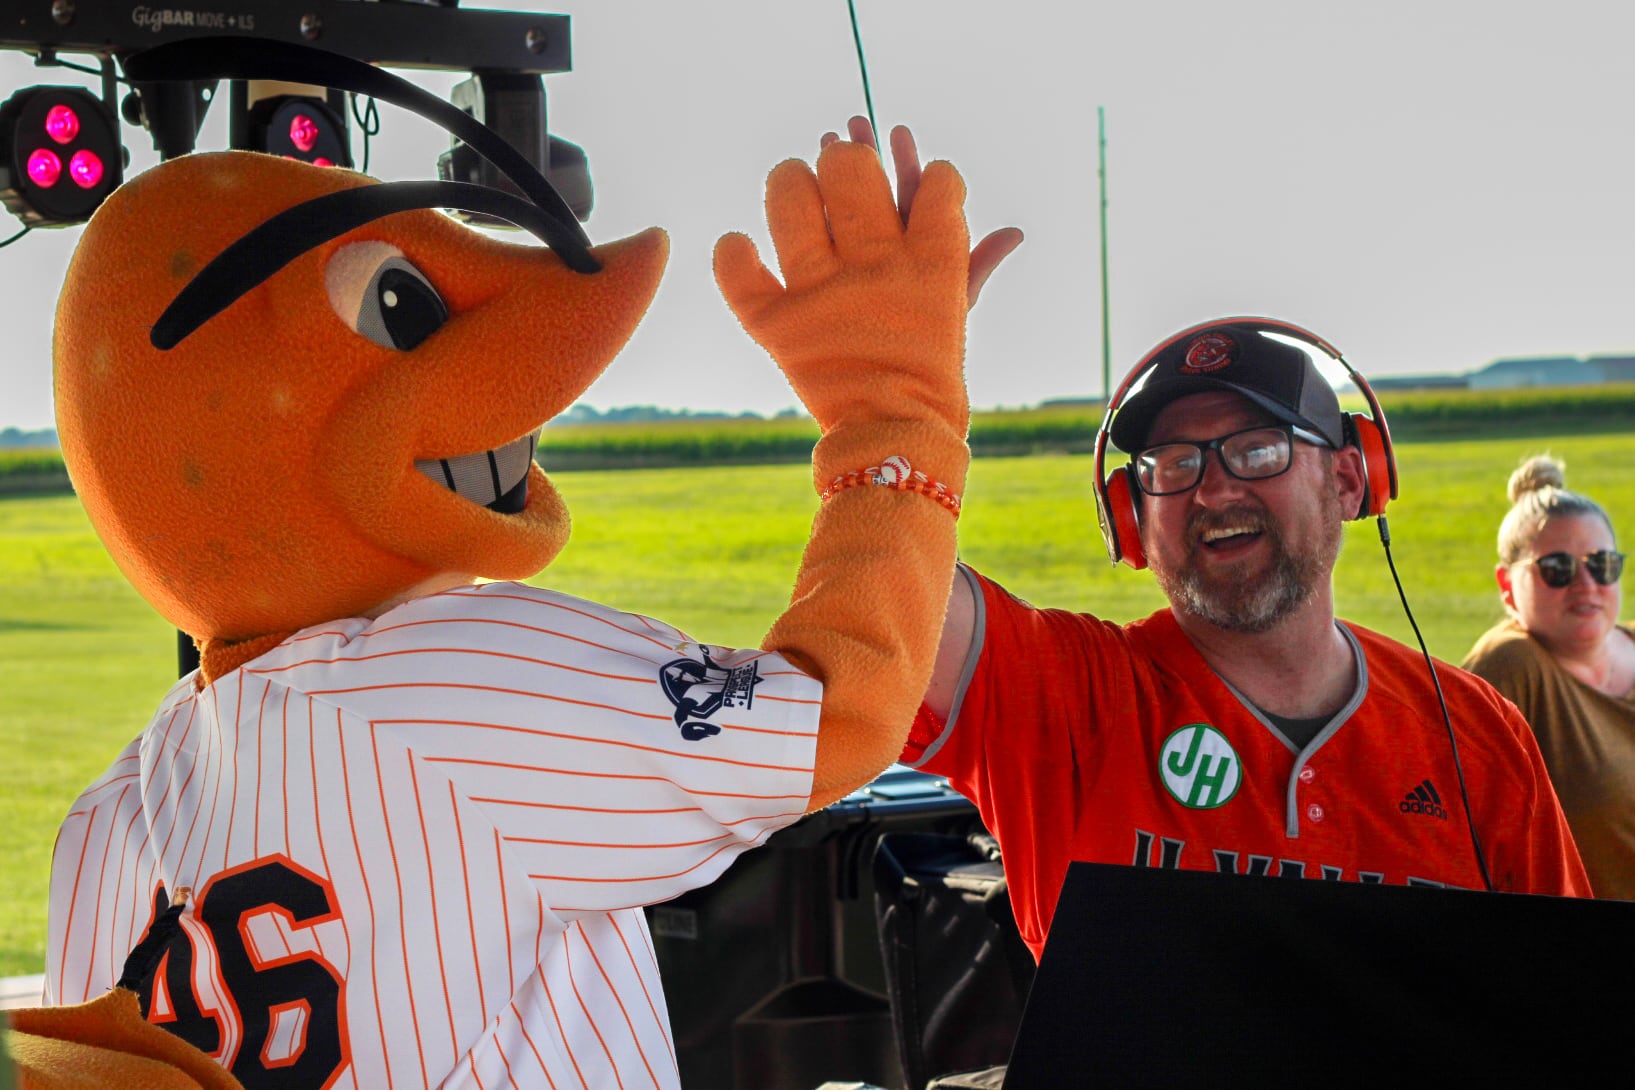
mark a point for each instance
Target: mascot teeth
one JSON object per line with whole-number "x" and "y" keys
{"x": 495, "y": 479}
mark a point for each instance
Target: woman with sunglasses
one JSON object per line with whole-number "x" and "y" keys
{"x": 1563, "y": 658}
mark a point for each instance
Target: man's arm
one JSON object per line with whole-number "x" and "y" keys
{"x": 958, "y": 629}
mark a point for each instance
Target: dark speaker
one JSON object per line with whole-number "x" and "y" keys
{"x": 773, "y": 973}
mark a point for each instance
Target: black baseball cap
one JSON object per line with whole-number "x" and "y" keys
{"x": 1260, "y": 359}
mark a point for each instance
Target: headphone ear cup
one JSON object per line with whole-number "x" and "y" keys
{"x": 1367, "y": 438}
{"x": 1122, "y": 524}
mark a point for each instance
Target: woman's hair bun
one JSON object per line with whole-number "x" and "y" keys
{"x": 1539, "y": 471}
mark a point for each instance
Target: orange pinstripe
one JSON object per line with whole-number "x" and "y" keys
{"x": 501, "y": 656}
{"x": 508, "y": 1076}
{"x": 592, "y": 741}
{"x": 526, "y": 1036}
{"x": 556, "y": 1016}
{"x": 437, "y": 931}
{"x": 119, "y": 888}
{"x": 284, "y": 763}
{"x": 323, "y": 851}
{"x": 505, "y": 915}
{"x": 590, "y": 1019}
{"x": 596, "y": 959}
{"x": 103, "y": 874}
{"x": 402, "y": 922}
{"x": 652, "y": 1008}
{"x": 374, "y": 960}
{"x": 164, "y": 743}
{"x": 73, "y": 901}
{"x": 471, "y": 919}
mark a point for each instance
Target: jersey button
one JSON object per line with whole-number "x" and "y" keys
{"x": 1308, "y": 774}
{"x": 1314, "y": 812}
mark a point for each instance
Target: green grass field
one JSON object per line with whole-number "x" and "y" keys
{"x": 83, "y": 660}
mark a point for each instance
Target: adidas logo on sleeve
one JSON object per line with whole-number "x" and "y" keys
{"x": 1423, "y": 800}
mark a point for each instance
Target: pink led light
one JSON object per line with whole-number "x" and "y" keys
{"x": 44, "y": 168}
{"x": 85, "y": 168}
{"x": 61, "y": 124}
{"x": 303, "y": 132}
{"x": 322, "y": 162}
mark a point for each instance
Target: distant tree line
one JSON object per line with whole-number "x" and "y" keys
{"x": 577, "y": 414}
{"x": 581, "y": 413}
{"x": 17, "y": 437}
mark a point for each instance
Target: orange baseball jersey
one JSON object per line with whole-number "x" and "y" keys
{"x": 1084, "y": 740}
{"x": 390, "y": 890}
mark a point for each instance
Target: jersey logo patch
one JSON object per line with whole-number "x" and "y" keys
{"x": 1424, "y": 800}
{"x": 699, "y": 688}
{"x": 1199, "y": 767}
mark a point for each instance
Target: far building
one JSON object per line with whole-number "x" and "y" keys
{"x": 1553, "y": 371}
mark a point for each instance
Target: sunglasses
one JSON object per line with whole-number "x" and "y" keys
{"x": 1560, "y": 569}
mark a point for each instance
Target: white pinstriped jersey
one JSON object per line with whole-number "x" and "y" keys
{"x": 418, "y": 846}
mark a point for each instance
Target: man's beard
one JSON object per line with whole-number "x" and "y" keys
{"x": 1251, "y": 604}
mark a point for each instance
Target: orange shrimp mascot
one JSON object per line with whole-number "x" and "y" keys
{"x": 399, "y": 827}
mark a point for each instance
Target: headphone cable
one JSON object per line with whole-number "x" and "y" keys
{"x": 1447, "y": 721}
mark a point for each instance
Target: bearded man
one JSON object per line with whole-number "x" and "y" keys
{"x": 1244, "y": 729}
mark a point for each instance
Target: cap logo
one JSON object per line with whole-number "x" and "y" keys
{"x": 1210, "y": 352}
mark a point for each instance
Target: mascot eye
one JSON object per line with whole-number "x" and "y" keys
{"x": 383, "y": 297}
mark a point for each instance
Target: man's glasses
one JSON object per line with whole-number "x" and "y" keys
{"x": 1250, "y": 455}
{"x": 1560, "y": 569}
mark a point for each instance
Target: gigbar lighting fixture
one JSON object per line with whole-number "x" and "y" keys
{"x": 59, "y": 155}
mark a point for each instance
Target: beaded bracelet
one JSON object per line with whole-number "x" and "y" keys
{"x": 895, "y": 472}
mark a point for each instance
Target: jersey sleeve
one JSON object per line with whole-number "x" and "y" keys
{"x": 1020, "y": 741}
{"x": 605, "y": 756}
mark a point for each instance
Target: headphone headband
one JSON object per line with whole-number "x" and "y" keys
{"x": 1199, "y": 358}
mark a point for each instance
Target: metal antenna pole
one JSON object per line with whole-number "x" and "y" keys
{"x": 863, "y": 67}
{"x": 1106, "y": 335}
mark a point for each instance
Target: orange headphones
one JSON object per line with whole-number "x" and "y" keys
{"x": 1202, "y": 354}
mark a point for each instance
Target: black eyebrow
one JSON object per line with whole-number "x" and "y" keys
{"x": 266, "y": 249}
{"x": 234, "y": 57}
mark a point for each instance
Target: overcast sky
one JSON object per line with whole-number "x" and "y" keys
{"x": 1428, "y": 185}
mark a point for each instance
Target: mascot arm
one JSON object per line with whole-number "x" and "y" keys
{"x": 106, "y": 1043}
{"x": 869, "y": 326}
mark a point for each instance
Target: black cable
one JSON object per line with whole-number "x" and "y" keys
{"x": 863, "y": 67}
{"x": 1447, "y": 720}
{"x": 368, "y": 124}
{"x": 15, "y": 237}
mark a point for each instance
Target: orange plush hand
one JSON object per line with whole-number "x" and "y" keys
{"x": 869, "y": 326}
{"x": 106, "y": 1043}
{"x": 869, "y": 321}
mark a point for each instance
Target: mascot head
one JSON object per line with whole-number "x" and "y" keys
{"x": 348, "y": 414}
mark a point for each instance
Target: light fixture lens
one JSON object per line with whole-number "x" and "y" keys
{"x": 85, "y": 168}
{"x": 44, "y": 168}
{"x": 303, "y": 132}
{"x": 61, "y": 123}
